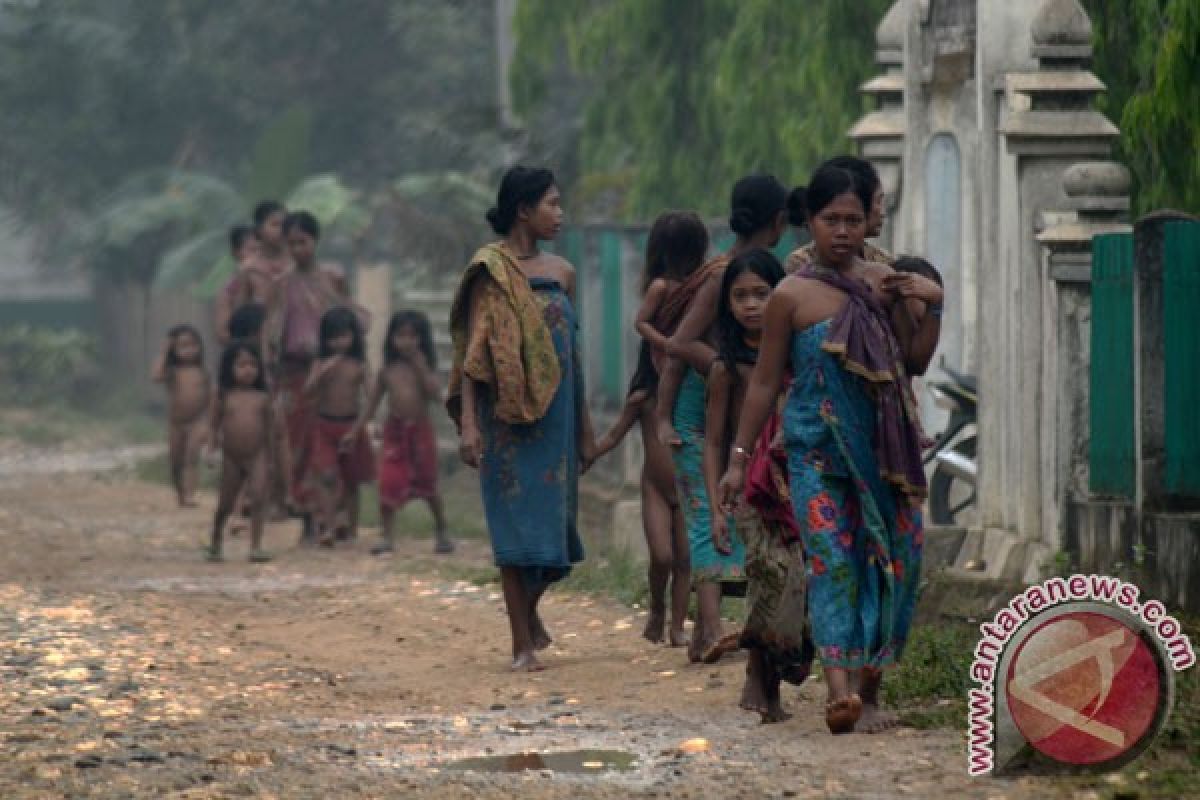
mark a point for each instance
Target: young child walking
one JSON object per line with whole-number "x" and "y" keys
{"x": 675, "y": 248}
{"x": 408, "y": 465}
{"x": 775, "y": 631}
{"x": 243, "y": 427}
{"x": 338, "y": 462}
{"x": 180, "y": 368}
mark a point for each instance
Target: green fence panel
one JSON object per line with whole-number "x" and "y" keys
{"x": 1111, "y": 445}
{"x": 1181, "y": 356}
{"x": 610, "y": 274}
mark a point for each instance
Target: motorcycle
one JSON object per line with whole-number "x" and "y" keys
{"x": 953, "y": 483}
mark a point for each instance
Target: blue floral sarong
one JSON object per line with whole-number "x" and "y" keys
{"x": 707, "y": 564}
{"x": 862, "y": 539}
{"x": 529, "y": 474}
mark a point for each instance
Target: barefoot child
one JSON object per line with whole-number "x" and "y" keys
{"x": 675, "y": 249}
{"x": 775, "y": 627}
{"x": 408, "y": 465}
{"x": 180, "y": 367}
{"x": 242, "y": 426}
{"x": 339, "y": 463}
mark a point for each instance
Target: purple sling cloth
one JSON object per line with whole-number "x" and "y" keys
{"x": 862, "y": 339}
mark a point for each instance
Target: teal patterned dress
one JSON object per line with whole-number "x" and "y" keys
{"x": 708, "y": 565}
{"x": 529, "y": 474}
{"x": 862, "y": 539}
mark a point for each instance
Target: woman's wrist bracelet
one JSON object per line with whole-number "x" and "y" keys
{"x": 741, "y": 453}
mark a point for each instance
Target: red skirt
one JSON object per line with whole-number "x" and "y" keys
{"x": 328, "y": 464}
{"x": 409, "y": 466}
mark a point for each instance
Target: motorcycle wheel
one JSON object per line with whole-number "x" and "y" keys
{"x": 951, "y": 499}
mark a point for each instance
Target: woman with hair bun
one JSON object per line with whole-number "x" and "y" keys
{"x": 516, "y": 394}
{"x": 758, "y": 217}
{"x": 848, "y": 330}
{"x": 864, "y": 173}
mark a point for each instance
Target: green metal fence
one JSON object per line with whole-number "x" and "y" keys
{"x": 1111, "y": 446}
{"x": 1181, "y": 356}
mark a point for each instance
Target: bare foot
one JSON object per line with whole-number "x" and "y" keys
{"x": 541, "y": 636}
{"x": 654, "y": 626}
{"x": 527, "y": 662}
{"x": 714, "y": 651}
{"x": 679, "y": 638}
{"x": 697, "y": 645}
{"x": 188, "y": 503}
{"x": 875, "y": 720}
{"x": 326, "y": 540}
{"x": 382, "y": 549}
{"x": 444, "y": 546}
{"x": 754, "y": 697}
{"x": 668, "y": 435}
{"x": 213, "y": 555}
{"x": 842, "y": 714}
{"x": 259, "y": 556}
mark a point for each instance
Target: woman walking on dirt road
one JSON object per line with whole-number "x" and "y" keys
{"x": 848, "y": 329}
{"x": 516, "y": 393}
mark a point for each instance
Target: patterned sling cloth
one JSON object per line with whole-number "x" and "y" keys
{"x": 673, "y": 308}
{"x": 767, "y": 482}
{"x": 805, "y": 256}
{"x": 510, "y": 348}
{"x": 861, "y": 338}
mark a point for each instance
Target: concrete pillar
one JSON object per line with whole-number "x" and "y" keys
{"x": 1098, "y": 202}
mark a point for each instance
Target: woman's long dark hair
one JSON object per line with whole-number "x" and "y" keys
{"x": 420, "y": 324}
{"x": 731, "y": 336}
{"x": 337, "y": 321}
{"x": 225, "y": 379}
{"x": 675, "y": 247}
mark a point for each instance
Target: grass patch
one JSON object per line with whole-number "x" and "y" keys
{"x": 614, "y": 574}
{"x": 107, "y": 422}
{"x": 932, "y": 679}
{"x": 463, "y": 519}
{"x": 158, "y": 470}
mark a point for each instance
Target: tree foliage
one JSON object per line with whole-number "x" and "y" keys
{"x": 681, "y": 97}
{"x": 1148, "y": 53}
{"x": 98, "y": 96}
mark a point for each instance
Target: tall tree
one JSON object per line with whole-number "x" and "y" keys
{"x": 1148, "y": 54}
{"x": 681, "y": 97}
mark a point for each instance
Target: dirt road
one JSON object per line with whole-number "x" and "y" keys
{"x": 132, "y": 668}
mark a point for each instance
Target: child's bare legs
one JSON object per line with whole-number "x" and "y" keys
{"x": 843, "y": 706}
{"x": 387, "y": 516}
{"x": 666, "y": 537}
{"x": 350, "y": 504}
{"x": 708, "y": 613}
{"x": 668, "y": 391}
{"x": 517, "y": 602}
{"x": 328, "y": 501}
{"x": 258, "y": 492}
{"x": 195, "y": 437}
{"x": 177, "y": 436}
{"x": 442, "y": 542}
{"x": 873, "y": 719}
{"x": 232, "y": 478}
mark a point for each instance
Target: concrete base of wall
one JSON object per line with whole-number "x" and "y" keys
{"x": 1005, "y": 557}
{"x": 1160, "y": 552}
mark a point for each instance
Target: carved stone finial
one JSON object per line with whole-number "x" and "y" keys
{"x": 889, "y": 36}
{"x": 1062, "y": 22}
{"x": 1096, "y": 179}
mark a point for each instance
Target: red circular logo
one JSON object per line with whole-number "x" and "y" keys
{"x": 1085, "y": 688}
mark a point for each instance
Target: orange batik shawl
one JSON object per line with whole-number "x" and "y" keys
{"x": 509, "y": 348}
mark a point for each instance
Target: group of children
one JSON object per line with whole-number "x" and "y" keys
{"x": 294, "y": 397}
